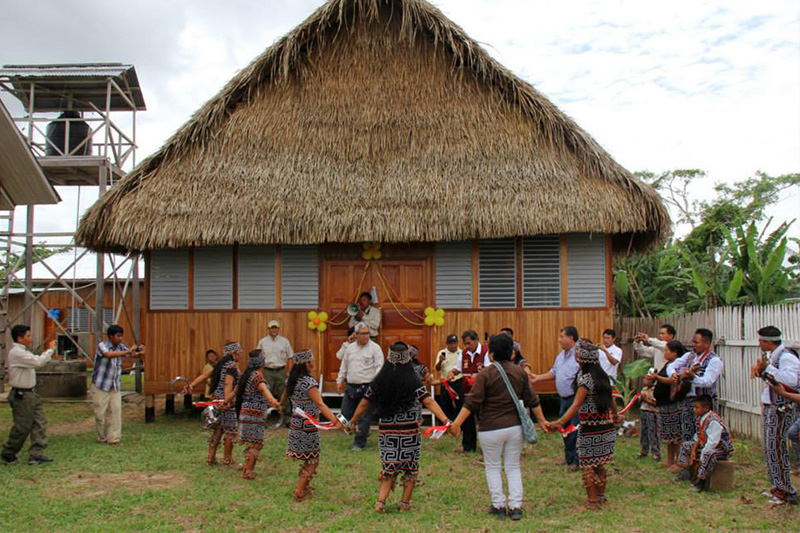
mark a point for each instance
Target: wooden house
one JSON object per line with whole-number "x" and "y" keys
{"x": 374, "y": 121}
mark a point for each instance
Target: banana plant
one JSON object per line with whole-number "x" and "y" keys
{"x": 624, "y": 382}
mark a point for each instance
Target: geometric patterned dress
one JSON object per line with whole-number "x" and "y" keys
{"x": 228, "y": 421}
{"x": 303, "y": 441}
{"x": 399, "y": 438}
{"x": 597, "y": 434}
{"x": 253, "y": 413}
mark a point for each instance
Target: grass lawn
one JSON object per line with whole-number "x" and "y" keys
{"x": 157, "y": 482}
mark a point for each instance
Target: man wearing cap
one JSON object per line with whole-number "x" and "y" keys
{"x": 278, "y": 353}
{"x": 446, "y": 360}
{"x": 367, "y": 314}
{"x": 779, "y": 364}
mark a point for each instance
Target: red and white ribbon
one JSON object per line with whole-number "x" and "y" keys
{"x": 325, "y": 426}
{"x": 630, "y": 404}
{"x": 450, "y": 392}
{"x": 208, "y": 403}
{"x": 565, "y": 432}
{"x": 436, "y": 432}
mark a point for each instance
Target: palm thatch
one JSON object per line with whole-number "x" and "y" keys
{"x": 374, "y": 120}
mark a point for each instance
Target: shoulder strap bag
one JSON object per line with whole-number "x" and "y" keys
{"x": 528, "y": 428}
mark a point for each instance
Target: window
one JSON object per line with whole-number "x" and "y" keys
{"x": 169, "y": 279}
{"x": 299, "y": 277}
{"x": 586, "y": 270}
{"x": 497, "y": 273}
{"x": 213, "y": 277}
{"x": 256, "y": 277}
{"x": 541, "y": 271}
{"x": 454, "y": 274}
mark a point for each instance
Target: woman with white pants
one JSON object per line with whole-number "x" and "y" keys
{"x": 500, "y": 432}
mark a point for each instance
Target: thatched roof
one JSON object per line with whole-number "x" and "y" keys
{"x": 374, "y": 120}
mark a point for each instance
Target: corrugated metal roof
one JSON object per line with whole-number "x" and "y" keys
{"x": 67, "y": 70}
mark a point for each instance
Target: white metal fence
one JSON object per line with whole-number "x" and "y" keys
{"x": 736, "y": 338}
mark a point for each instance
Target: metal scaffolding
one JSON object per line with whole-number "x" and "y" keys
{"x": 85, "y": 108}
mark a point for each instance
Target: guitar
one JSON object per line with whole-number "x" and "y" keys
{"x": 679, "y": 390}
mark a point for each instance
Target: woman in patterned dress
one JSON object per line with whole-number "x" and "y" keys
{"x": 397, "y": 392}
{"x": 303, "y": 445}
{"x": 670, "y": 413}
{"x": 597, "y": 413}
{"x": 252, "y": 399}
{"x": 222, "y": 382}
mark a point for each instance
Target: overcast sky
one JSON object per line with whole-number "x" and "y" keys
{"x": 661, "y": 85}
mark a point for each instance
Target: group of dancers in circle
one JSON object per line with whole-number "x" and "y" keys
{"x": 397, "y": 395}
{"x": 396, "y": 392}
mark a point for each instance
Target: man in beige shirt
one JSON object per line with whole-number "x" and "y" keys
{"x": 278, "y": 354}
{"x": 26, "y": 406}
{"x": 367, "y": 314}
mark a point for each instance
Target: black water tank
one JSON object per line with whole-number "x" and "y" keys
{"x": 78, "y": 131}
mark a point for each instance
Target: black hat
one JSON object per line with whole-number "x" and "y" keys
{"x": 452, "y": 338}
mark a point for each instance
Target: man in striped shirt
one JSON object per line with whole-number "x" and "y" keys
{"x": 106, "y": 381}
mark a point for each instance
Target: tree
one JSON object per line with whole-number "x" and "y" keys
{"x": 723, "y": 260}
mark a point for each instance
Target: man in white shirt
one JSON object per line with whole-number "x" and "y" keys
{"x": 779, "y": 365}
{"x": 361, "y": 362}
{"x": 367, "y": 314}
{"x": 26, "y": 406}
{"x": 653, "y": 349}
{"x": 610, "y": 354}
{"x": 278, "y": 354}
{"x": 474, "y": 358}
{"x": 350, "y": 339}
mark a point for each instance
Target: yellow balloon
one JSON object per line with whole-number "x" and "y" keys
{"x": 311, "y": 325}
{"x": 312, "y": 315}
{"x": 323, "y": 316}
{"x": 440, "y": 313}
{"x": 367, "y": 255}
{"x": 439, "y": 321}
{"x": 429, "y": 320}
{"x": 322, "y": 327}
{"x": 377, "y": 254}
{"x": 429, "y": 311}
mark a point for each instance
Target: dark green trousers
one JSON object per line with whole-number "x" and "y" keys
{"x": 276, "y": 383}
{"x": 29, "y": 420}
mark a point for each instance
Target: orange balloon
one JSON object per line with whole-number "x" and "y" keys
{"x": 316, "y": 321}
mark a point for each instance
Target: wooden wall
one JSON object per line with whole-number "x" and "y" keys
{"x": 177, "y": 341}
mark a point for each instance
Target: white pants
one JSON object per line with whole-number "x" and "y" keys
{"x": 107, "y": 408}
{"x": 503, "y": 447}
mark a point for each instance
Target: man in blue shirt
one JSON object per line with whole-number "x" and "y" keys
{"x": 106, "y": 381}
{"x": 564, "y": 371}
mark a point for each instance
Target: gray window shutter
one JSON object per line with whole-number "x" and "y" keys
{"x": 169, "y": 279}
{"x": 299, "y": 277}
{"x": 541, "y": 271}
{"x": 454, "y": 274}
{"x": 213, "y": 277}
{"x": 81, "y": 319}
{"x": 586, "y": 270}
{"x": 256, "y": 277}
{"x": 497, "y": 273}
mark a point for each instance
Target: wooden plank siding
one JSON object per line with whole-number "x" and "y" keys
{"x": 177, "y": 340}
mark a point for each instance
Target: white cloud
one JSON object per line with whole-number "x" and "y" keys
{"x": 661, "y": 85}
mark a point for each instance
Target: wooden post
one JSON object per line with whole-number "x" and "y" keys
{"x": 150, "y": 408}
{"x": 29, "y": 268}
{"x": 170, "y": 405}
{"x": 137, "y": 326}
{"x": 187, "y": 402}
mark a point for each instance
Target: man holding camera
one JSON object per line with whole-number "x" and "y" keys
{"x": 106, "y": 385}
{"x": 26, "y": 405}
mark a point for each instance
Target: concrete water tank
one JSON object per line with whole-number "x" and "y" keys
{"x": 62, "y": 379}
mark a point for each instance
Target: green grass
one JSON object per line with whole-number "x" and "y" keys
{"x": 453, "y": 498}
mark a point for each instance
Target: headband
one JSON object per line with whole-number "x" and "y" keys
{"x": 303, "y": 357}
{"x": 769, "y": 339}
{"x": 399, "y": 357}
{"x": 232, "y": 348}
{"x": 586, "y": 352}
{"x": 257, "y": 361}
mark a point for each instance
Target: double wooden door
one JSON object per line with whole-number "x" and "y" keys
{"x": 404, "y": 290}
